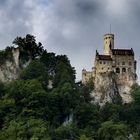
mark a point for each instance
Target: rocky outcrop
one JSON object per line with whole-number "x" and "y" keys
{"x": 10, "y": 66}
{"x": 107, "y": 89}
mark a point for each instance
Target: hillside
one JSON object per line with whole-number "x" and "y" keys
{"x": 39, "y": 100}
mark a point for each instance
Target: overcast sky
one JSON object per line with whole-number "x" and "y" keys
{"x": 72, "y": 27}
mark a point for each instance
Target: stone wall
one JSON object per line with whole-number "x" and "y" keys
{"x": 103, "y": 66}
{"x": 86, "y": 76}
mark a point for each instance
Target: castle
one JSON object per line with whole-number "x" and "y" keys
{"x": 119, "y": 61}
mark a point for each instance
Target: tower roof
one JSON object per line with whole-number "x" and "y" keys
{"x": 123, "y": 52}
{"x": 105, "y": 57}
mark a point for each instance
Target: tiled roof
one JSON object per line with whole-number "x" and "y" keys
{"x": 122, "y": 52}
{"x": 105, "y": 57}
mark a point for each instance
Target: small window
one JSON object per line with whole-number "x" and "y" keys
{"x": 123, "y": 63}
{"x": 117, "y": 70}
{"x": 104, "y": 62}
{"x": 118, "y": 63}
{"x": 123, "y": 70}
{"x": 100, "y": 62}
{"x": 130, "y": 63}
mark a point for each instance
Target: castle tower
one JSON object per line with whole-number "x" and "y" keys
{"x": 108, "y": 43}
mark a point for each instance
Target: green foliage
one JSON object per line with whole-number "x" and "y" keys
{"x": 68, "y": 132}
{"x": 61, "y": 102}
{"x": 28, "y": 47}
{"x": 110, "y": 112}
{"x": 35, "y": 70}
{"x": 112, "y": 131}
{"x": 29, "y": 97}
{"x": 87, "y": 115}
{"x": 85, "y": 91}
{"x": 6, "y": 55}
{"x": 30, "y": 110}
{"x": 83, "y": 137}
{"x": 34, "y": 129}
{"x": 49, "y": 60}
{"x": 135, "y": 92}
{"x": 64, "y": 72}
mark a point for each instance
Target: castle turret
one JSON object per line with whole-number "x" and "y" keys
{"x": 108, "y": 43}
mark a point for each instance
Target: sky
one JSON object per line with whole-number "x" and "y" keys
{"x": 72, "y": 27}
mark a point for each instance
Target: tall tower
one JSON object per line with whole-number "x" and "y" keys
{"x": 108, "y": 43}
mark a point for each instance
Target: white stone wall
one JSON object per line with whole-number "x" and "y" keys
{"x": 86, "y": 76}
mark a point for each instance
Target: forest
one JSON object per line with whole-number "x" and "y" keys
{"x": 45, "y": 102}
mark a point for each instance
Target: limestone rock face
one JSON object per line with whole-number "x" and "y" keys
{"x": 10, "y": 68}
{"x": 107, "y": 89}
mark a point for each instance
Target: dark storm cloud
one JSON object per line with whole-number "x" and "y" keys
{"x": 72, "y": 27}
{"x": 14, "y": 17}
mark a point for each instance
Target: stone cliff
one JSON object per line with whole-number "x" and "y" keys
{"x": 11, "y": 64}
{"x": 107, "y": 89}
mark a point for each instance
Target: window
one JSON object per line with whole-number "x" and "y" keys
{"x": 117, "y": 70}
{"x": 123, "y": 63}
{"x": 130, "y": 63}
{"x": 123, "y": 70}
{"x": 104, "y": 62}
{"x": 100, "y": 62}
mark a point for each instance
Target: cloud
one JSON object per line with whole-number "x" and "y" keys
{"x": 72, "y": 27}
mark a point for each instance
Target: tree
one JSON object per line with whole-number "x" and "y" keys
{"x": 68, "y": 132}
{"x": 112, "y": 131}
{"x": 111, "y": 112}
{"x": 35, "y": 70}
{"x": 29, "y": 97}
{"x": 34, "y": 129}
{"x": 87, "y": 116}
{"x": 64, "y": 72}
{"x": 49, "y": 60}
{"x": 84, "y": 137}
{"x": 135, "y": 92}
{"x": 28, "y": 46}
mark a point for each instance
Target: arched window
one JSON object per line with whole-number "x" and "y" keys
{"x": 123, "y": 70}
{"x": 117, "y": 70}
